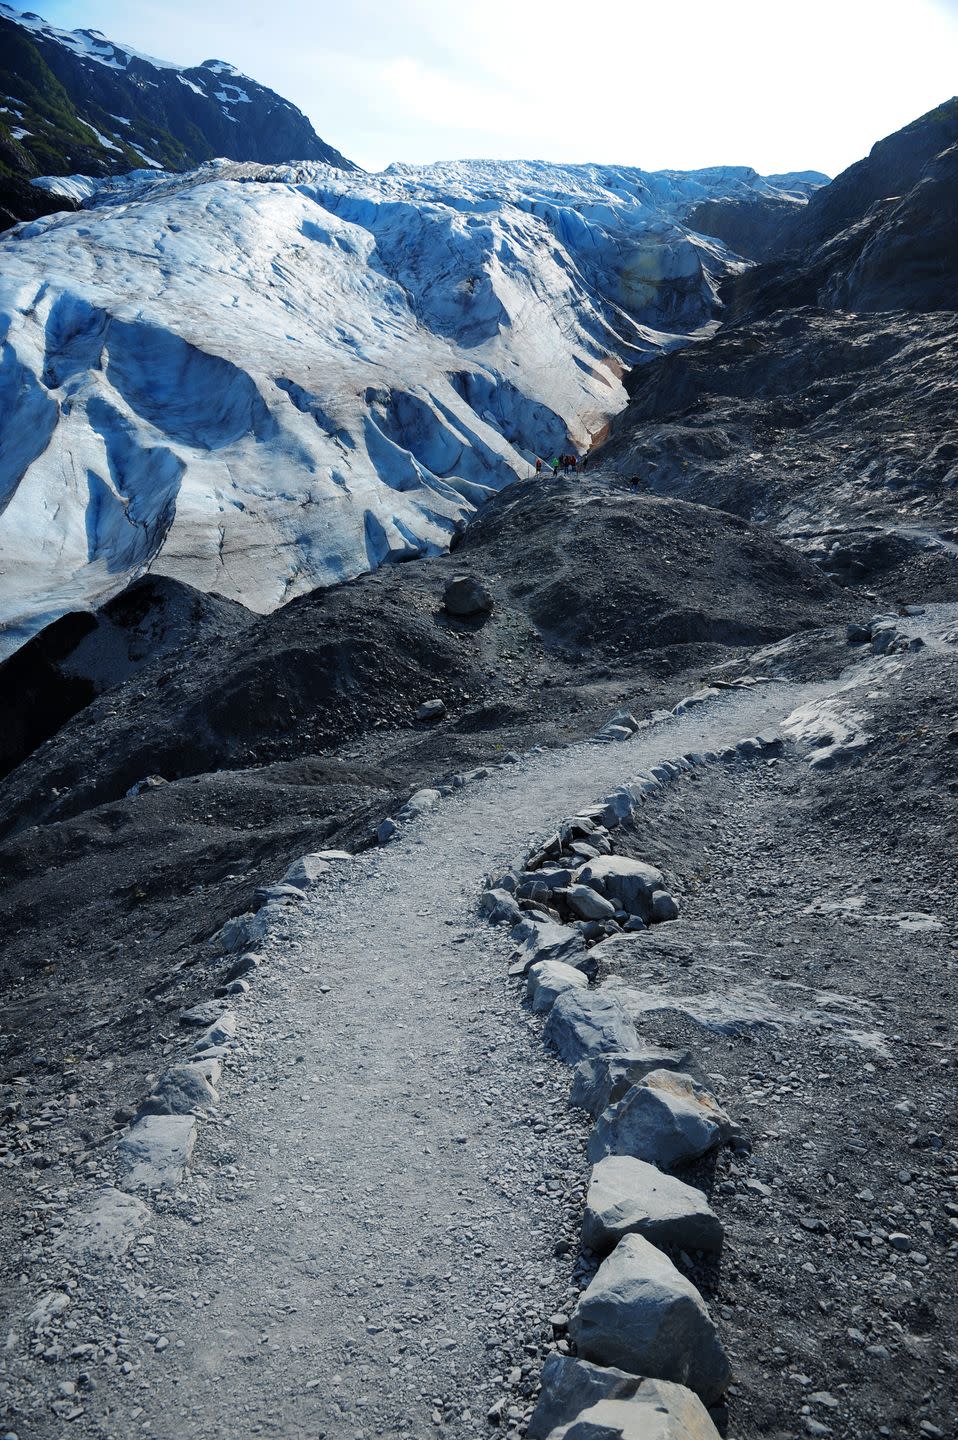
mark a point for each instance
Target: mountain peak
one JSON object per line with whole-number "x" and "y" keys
{"x": 78, "y": 103}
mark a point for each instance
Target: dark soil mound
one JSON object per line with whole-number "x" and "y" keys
{"x": 614, "y": 571}
{"x": 58, "y": 672}
{"x": 280, "y": 733}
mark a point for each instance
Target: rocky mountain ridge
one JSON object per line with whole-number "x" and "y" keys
{"x": 75, "y": 102}
{"x": 825, "y": 404}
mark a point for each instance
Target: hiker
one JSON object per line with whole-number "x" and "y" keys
{"x": 538, "y": 466}
{"x": 555, "y": 466}
{"x": 574, "y": 463}
{"x": 584, "y": 461}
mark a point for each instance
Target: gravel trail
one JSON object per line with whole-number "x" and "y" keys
{"x": 366, "y": 1242}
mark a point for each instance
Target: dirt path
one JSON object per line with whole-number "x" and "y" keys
{"x": 365, "y": 1244}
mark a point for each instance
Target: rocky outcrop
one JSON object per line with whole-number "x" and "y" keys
{"x": 89, "y": 106}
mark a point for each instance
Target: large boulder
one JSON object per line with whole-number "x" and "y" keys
{"x": 630, "y": 884}
{"x": 658, "y": 1410}
{"x": 588, "y": 1022}
{"x": 641, "y": 1314}
{"x": 650, "y": 1409}
{"x": 630, "y": 1197}
{"x": 600, "y": 1080}
{"x": 464, "y": 595}
{"x": 667, "y": 1119}
{"x": 547, "y": 980}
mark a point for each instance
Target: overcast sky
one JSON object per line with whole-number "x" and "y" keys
{"x": 776, "y": 84}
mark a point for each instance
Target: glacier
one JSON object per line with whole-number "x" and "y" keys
{"x": 263, "y": 379}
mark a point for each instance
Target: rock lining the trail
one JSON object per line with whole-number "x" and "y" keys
{"x": 577, "y": 1393}
{"x": 659, "y": 1410}
{"x": 587, "y": 1022}
{"x": 600, "y": 1080}
{"x": 652, "y": 1115}
{"x": 104, "y": 1226}
{"x": 641, "y": 1314}
{"x": 154, "y": 1152}
{"x": 666, "y": 1119}
{"x": 629, "y": 1196}
{"x": 548, "y": 979}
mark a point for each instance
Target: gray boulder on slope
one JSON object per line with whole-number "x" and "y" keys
{"x": 628, "y": 1196}
{"x": 642, "y": 1314}
{"x": 667, "y": 1119}
{"x": 464, "y": 595}
{"x": 586, "y": 1022}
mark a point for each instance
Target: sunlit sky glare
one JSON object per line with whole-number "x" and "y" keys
{"x": 780, "y": 86}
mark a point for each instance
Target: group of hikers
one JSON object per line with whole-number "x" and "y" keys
{"x": 565, "y": 463}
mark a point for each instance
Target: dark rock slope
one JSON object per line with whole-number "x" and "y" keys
{"x": 73, "y": 102}
{"x": 61, "y": 670}
{"x": 300, "y": 726}
{"x": 826, "y": 406}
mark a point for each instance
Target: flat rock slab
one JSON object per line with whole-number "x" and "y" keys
{"x": 155, "y": 1151}
{"x": 659, "y": 1410}
{"x": 641, "y": 1314}
{"x": 630, "y": 1197}
{"x": 588, "y": 1022}
{"x": 601, "y": 1080}
{"x": 734, "y": 1009}
{"x": 548, "y": 979}
{"x": 666, "y": 1120}
{"x": 104, "y": 1227}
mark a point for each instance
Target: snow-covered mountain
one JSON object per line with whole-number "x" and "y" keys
{"x": 260, "y": 381}
{"x": 75, "y": 101}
